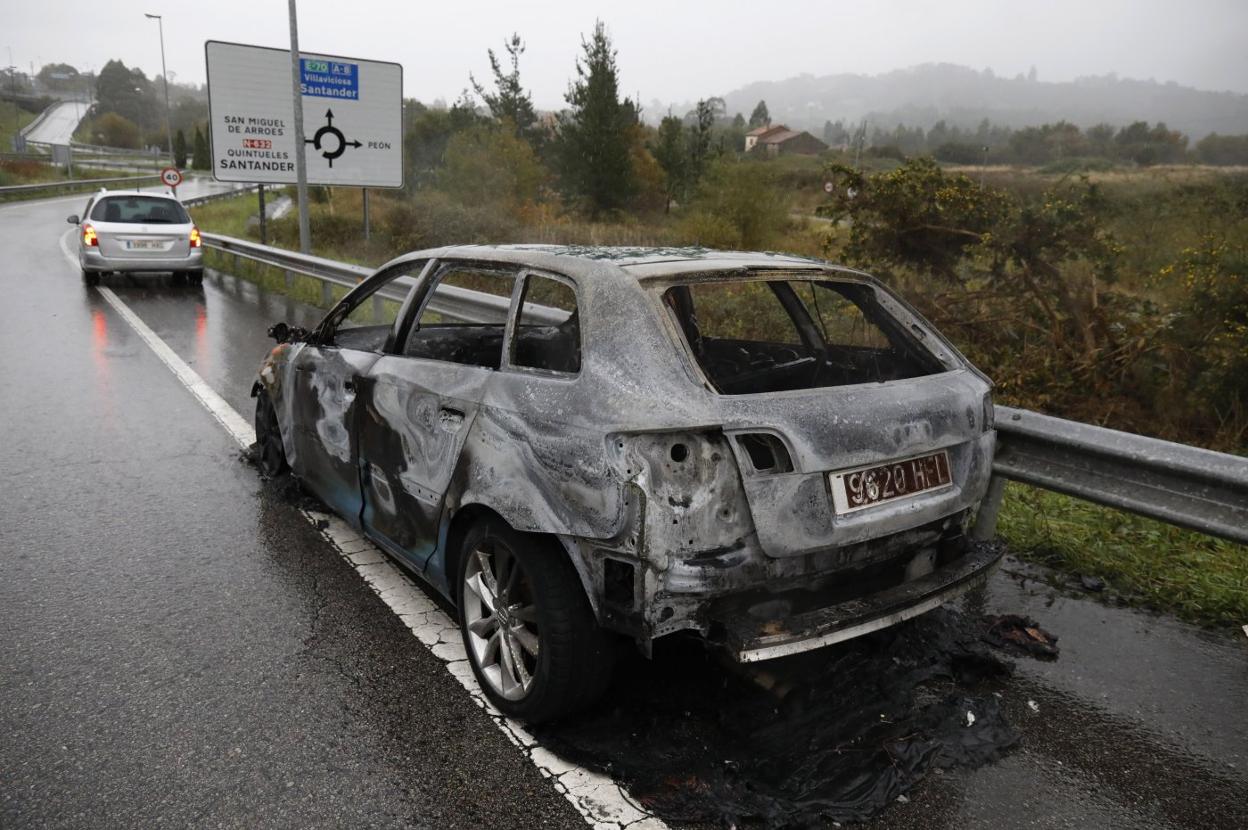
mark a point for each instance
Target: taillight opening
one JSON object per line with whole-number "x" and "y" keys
{"x": 89, "y": 236}
{"x": 195, "y": 240}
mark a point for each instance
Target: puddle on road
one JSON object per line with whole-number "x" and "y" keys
{"x": 838, "y": 735}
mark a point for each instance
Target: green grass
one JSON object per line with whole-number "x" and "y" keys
{"x": 1196, "y": 577}
{"x": 12, "y": 119}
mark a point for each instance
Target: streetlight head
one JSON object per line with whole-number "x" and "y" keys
{"x": 151, "y": 16}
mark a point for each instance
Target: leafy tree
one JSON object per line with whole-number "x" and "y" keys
{"x": 428, "y": 133}
{"x": 179, "y": 150}
{"x": 738, "y": 121}
{"x": 923, "y": 219}
{"x": 202, "y": 157}
{"x": 509, "y": 102}
{"x": 1223, "y": 149}
{"x": 700, "y": 141}
{"x": 486, "y": 164}
{"x": 126, "y": 92}
{"x": 60, "y": 76}
{"x": 669, "y": 151}
{"x": 738, "y": 205}
{"x": 114, "y": 130}
{"x": 760, "y": 117}
{"x": 595, "y": 134}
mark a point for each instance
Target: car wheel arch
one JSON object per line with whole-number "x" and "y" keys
{"x": 469, "y": 515}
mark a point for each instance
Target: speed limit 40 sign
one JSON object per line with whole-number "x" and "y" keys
{"x": 171, "y": 176}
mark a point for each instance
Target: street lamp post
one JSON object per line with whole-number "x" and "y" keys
{"x": 164, "y": 75}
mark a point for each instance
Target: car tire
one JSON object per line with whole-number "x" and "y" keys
{"x": 545, "y": 656}
{"x": 91, "y": 278}
{"x": 195, "y": 277}
{"x": 270, "y": 452}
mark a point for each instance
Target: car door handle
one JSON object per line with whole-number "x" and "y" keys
{"x": 450, "y": 419}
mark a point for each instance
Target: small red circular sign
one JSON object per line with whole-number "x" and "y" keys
{"x": 171, "y": 176}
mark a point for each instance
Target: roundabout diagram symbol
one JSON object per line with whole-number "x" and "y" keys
{"x": 335, "y": 143}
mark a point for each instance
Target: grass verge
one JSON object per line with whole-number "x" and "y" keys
{"x": 1193, "y": 576}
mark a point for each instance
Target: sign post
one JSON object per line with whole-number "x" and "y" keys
{"x": 263, "y": 218}
{"x": 301, "y": 156}
{"x": 351, "y": 124}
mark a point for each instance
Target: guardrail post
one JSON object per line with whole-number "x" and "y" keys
{"x": 989, "y": 509}
{"x": 327, "y": 294}
{"x": 379, "y": 309}
{"x": 290, "y": 279}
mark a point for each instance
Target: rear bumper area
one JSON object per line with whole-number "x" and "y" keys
{"x": 750, "y": 637}
{"x": 93, "y": 260}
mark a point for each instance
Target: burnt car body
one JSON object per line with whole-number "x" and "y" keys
{"x": 691, "y": 474}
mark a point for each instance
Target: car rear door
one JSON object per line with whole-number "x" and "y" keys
{"x": 421, "y": 403}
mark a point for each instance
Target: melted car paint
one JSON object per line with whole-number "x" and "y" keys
{"x": 832, "y": 735}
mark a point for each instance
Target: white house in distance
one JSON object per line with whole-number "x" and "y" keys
{"x": 779, "y": 139}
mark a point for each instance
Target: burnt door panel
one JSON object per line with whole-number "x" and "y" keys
{"x": 326, "y": 381}
{"x": 413, "y": 423}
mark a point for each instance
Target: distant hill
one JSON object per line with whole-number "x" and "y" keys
{"x": 922, "y": 95}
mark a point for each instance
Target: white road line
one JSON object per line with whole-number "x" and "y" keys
{"x": 603, "y": 803}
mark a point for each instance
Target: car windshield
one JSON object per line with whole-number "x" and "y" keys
{"x": 140, "y": 210}
{"x": 772, "y": 335}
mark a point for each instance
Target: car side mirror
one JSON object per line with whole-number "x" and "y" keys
{"x": 72, "y": 219}
{"x": 280, "y": 332}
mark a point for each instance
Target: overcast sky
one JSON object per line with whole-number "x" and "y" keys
{"x": 671, "y": 50}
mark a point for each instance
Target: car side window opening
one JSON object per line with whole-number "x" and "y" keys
{"x": 366, "y": 323}
{"x": 548, "y": 330}
{"x": 752, "y": 336}
{"x": 439, "y": 336}
{"x": 140, "y": 210}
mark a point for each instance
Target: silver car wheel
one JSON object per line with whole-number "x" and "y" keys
{"x": 501, "y": 620}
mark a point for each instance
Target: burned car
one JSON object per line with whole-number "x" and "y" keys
{"x": 581, "y": 445}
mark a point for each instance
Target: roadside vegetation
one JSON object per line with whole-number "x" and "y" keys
{"x": 1097, "y": 274}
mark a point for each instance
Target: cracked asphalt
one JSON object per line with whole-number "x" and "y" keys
{"x": 181, "y": 647}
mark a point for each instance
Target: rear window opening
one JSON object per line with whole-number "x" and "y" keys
{"x": 751, "y": 336}
{"x": 140, "y": 210}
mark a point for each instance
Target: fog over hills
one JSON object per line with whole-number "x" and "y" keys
{"x": 922, "y": 95}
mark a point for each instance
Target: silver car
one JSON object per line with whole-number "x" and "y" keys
{"x": 127, "y": 231}
{"x": 575, "y": 445}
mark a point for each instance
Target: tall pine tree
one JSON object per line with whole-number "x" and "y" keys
{"x": 179, "y": 149}
{"x": 669, "y": 152}
{"x": 760, "y": 117}
{"x": 596, "y": 132}
{"x": 509, "y": 101}
{"x": 202, "y": 158}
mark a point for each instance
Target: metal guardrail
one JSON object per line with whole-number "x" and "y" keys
{"x": 449, "y": 301}
{"x": 1174, "y": 483}
{"x": 15, "y": 189}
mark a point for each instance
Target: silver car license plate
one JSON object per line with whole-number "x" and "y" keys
{"x": 143, "y": 245}
{"x": 864, "y": 487}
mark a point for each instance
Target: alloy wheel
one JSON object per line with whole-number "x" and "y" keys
{"x": 501, "y": 619}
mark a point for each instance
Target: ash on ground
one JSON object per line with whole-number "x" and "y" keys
{"x": 832, "y": 735}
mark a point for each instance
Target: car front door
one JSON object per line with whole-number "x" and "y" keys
{"x": 421, "y": 403}
{"x": 327, "y": 372}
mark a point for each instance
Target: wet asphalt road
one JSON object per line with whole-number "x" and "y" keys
{"x": 181, "y": 648}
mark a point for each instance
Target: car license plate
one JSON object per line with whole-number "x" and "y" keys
{"x": 143, "y": 245}
{"x": 865, "y": 487}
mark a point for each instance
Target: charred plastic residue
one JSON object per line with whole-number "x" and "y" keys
{"x": 832, "y": 735}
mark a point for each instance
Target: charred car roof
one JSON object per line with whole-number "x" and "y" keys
{"x": 640, "y": 263}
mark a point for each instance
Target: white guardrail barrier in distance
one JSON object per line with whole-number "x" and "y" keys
{"x": 31, "y": 188}
{"x": 1174, "y": 483}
